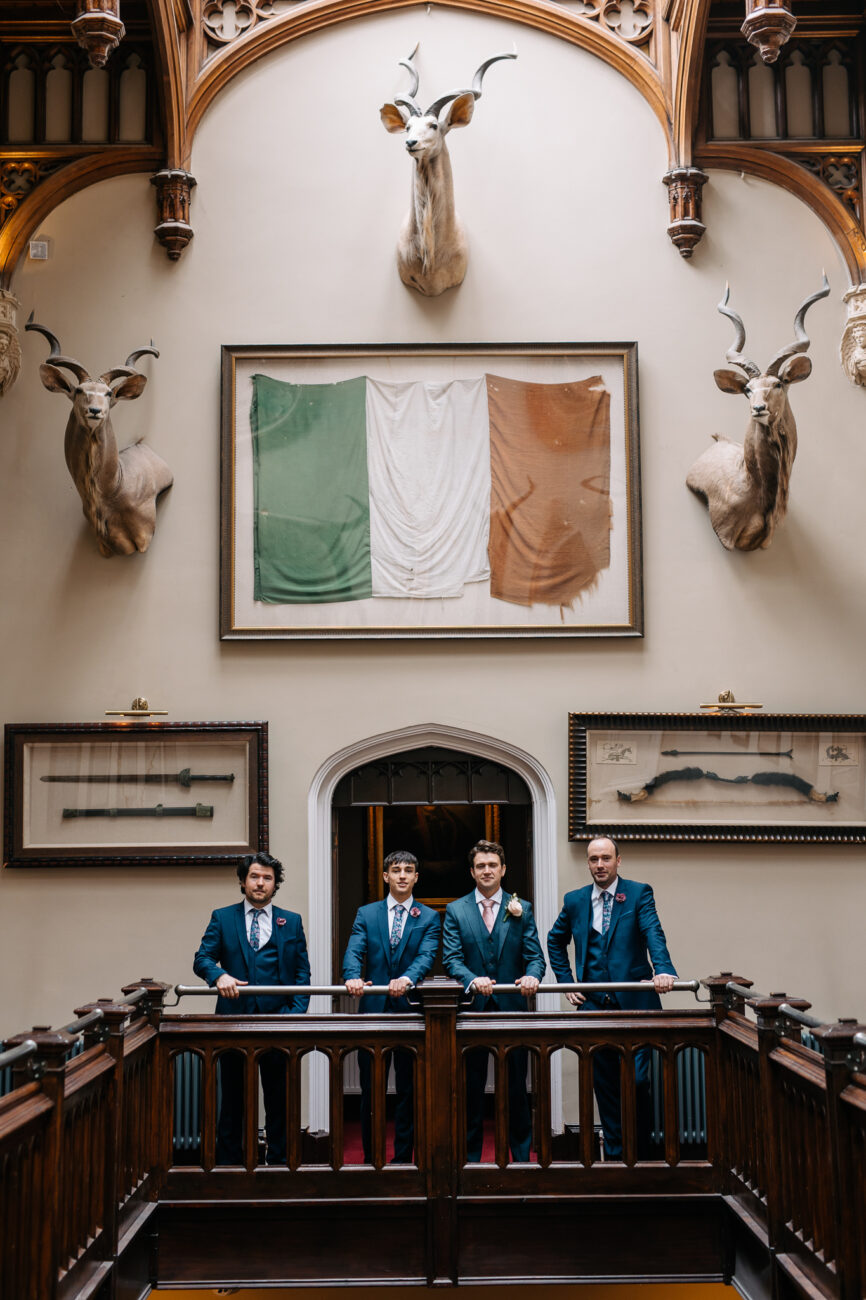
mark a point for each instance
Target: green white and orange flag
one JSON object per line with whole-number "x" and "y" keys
{"x": 367, "y": 488}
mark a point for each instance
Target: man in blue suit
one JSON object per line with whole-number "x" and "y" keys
{"x": 617, "y": 938}
{"x": 393, "y": 942}
{"x": 253, "y": 942}
{"x": 490, "y": 939}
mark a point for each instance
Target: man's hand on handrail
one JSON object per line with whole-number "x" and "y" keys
{"x": 663, "y": 983}
{"x": 227, "y": 985}
{"x": 355, "y": 988}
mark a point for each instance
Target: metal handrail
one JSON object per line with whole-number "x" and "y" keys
{"x": 84, "y": 1022}
{"x": 27, "y": 1048}
{"x": 860, "y": 1039}
{"x": 132, "y": 998}
{"x": 740, "y": 991}
{"x": 336, "y": 990}
{"x": 800, "y": 1016}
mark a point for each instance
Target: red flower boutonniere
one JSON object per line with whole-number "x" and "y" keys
{"x": 514, "y": 906}
{"x": 280, "y": 920}
{"x": 619, "y": 898}
{"x": 416, "y": 911}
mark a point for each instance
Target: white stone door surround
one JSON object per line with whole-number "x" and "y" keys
{"x": 319, "y": 909}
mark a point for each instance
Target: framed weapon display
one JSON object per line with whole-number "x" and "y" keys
{"x": 135, "y": 793}
{"x": 683, "y": 776}
{"x": 469, "y": 490}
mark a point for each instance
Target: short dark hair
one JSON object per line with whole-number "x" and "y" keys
{"x": 399, "y": 855}
{"x": 486, "y": 846}
{"x": 264, "y": 860}
{"x": 604, "y": 837}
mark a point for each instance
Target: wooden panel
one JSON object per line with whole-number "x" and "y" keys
{"x": 270, "y": 1241}
{"x": 652, "y": 1239}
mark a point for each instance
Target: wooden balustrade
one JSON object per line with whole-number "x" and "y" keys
{"x": 99, "y": 1197}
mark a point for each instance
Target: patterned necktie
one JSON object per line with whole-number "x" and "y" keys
{"x": 254, "y": 930}
{"x": 487, "y": 913}
{"x": 606, "y": 905}
{"x": 397, "y": 927}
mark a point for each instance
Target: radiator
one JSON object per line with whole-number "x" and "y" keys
{"x": 691, "y": 1098}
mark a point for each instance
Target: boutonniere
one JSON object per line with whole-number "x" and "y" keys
{"x": 280, "y": 920}
{"x": 619, "y": 898}
{"x": 514, "y": 906}
{"x": 416, "y": 912}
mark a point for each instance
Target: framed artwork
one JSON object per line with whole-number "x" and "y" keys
{"x": 430, "y": 491}
{"x": 135, "y": 793}
{"x": 786, "y": 777}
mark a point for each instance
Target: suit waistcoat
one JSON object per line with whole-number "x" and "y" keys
{"x": 597, "y": 968}
{"x": 264, "y": 968}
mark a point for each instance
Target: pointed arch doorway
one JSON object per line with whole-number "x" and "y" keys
{"x": 323, "y": 918}
{"x": 433, "y": 802}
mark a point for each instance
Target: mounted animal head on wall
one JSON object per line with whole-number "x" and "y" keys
{"x": 745, "y": 485}
{"x": 431, "y": 249}
{"x": 118, "y": 490}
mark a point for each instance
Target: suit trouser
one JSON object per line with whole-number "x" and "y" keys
{"x": 229, "y": 1145}
{"x": 404, "y": 1114}
{"x": 606, "y": 1086}
{"x": 519, "y": 1115}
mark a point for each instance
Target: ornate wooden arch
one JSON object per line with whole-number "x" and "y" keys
{"x": 584, "y": 32}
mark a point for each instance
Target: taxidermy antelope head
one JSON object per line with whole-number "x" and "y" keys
{"x": 118, "y": 489}
{"x": 431, "y": 250}
{"x": 745, "y": 485}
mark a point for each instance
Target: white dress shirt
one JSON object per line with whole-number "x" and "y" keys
{"x": 265, "y": 920}
{"x": 598, "y": 906}
{"x": 392, "y": 906}
{"x": 495, "y": 899}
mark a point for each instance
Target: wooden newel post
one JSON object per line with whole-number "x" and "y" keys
{"x": 720, "y": 1000}
{"x": 440, "y": 999}
{"x": 767, "y": 1012}
{"x": 159, "y": 1136}
{"x": 49, "y": 1066}
{"x": 837, "y": 1042}
{"x": 111, "y": 1029}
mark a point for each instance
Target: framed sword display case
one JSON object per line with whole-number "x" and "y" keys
{"x": 135, "y": 793}
{"x": 786, "y": 777}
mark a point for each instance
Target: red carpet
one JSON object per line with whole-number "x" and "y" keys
{"x": 353, "y": 1154}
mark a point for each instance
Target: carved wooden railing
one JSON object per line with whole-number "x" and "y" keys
{"x": 90, "y": 1178}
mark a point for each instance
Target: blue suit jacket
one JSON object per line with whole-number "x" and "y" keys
{"x": 634, "y": 940}
{"x": 225, "y": 950}
{"x": 516, "y": 950}
{"x": 369, "y": 954}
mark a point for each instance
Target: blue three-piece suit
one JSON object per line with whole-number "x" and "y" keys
{"x": 510, "y": 951}
{"x": 369, "y": 955}
{"x": 225, "y": 949}
{"x": 634, "y": 948}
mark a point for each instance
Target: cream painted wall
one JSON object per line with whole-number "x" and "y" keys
{"x": 298, "y": 204}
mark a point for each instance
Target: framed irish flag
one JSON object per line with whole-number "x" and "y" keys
{"x": 430, "y": 491}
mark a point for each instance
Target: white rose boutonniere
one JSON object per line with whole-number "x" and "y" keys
{"x": 514, "y": 906}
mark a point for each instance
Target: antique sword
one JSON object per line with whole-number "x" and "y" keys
{"x": 198, "y": 810}
{"x": 727, "y": 753}
{"x": 184, "y": 777}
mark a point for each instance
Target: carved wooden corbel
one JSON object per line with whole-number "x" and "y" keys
{"x": 98, "y": 29}
{"x": 10, "y": 346}
{"x": 685, "y": 194}
{"x": 768, "y": 25}
{"x": 173, "y": 190}
{"x": 853, "y": 348}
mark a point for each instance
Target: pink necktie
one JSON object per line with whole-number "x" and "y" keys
{"x": 487, "y": 913}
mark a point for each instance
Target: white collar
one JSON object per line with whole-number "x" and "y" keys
{"x": 266, "y": 910}
{"x": 611, "y": 889}
{"x": 392, "y": 902}
{"x": 495, "y": 898}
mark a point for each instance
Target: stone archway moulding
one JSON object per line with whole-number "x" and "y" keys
{"x": 319, "y": 906}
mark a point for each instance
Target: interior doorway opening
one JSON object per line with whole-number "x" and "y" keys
{"x": 436, "y": 803}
